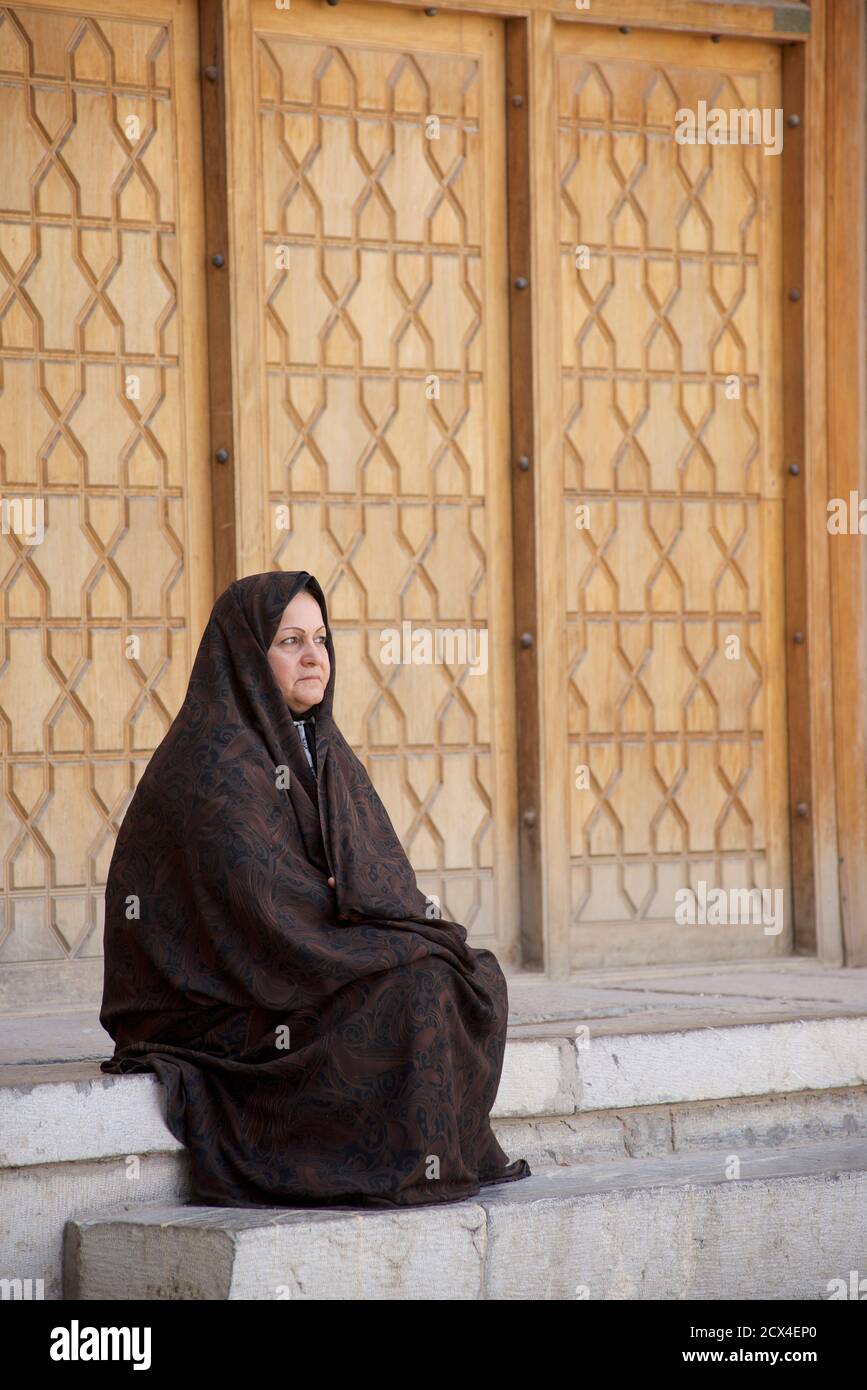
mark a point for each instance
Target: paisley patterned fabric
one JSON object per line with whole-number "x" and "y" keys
{"x": 318, "y": 1045}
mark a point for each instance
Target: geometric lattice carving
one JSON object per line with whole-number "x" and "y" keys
{"x": 91, "y": 425}
{"x": 670, "y": 557}
{"x": 377, "y": 483}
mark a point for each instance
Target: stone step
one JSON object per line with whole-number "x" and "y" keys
{"x": 73, "y": 1111}
{"x": 74, "y": 1140}
{"x": 784, "y": 1224}
{"x": 652, "y": 1131}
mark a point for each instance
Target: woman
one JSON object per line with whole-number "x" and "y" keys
{"x": 323, "y": 1037}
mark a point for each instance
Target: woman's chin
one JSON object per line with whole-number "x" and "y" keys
{"x": 304, "y": 704}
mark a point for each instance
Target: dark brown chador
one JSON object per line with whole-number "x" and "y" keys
{"x": 322, "y": 1038}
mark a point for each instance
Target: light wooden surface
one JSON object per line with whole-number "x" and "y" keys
{"x": 399, "y": 503}
{"x": 551, "y": 549}
{"x": 683, "y": 549}
{"x": 402, "y": 506}
{"x": 101, "y": 234}
{"x": 218, "y": 282}
{"x": 796, "y": 363}
{"x": 251, "y": 538}
{"x": 524, "y": 465}
{"x": 847, "y": 446}
{"x": 823, "y": 809}
{"x": 781, "y": 21}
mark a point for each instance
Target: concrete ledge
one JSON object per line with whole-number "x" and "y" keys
{"x": 102, "y": 1116}
{"x": 66, "y": 1121}
{"x": 673, "y": 1228}
{"x": 36, "y": 1199}
{"x": 716, "y": 1063}
{"x": 653, "y": 1131}
{"x": 540, "y": 1077}
{"x": 36, "y": 1203}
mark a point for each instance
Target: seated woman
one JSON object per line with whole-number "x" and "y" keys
{"x": 323, "y": 1036}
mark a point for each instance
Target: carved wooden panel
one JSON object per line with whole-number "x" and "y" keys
{"x": 101, "y": 413}
{"x": 385, "y": 337}
{"x": 671, "y": 387}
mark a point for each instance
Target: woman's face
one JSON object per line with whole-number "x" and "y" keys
{"x": 297, "y": 655}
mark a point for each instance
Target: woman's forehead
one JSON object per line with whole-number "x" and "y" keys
{"x": 301, "y": 611}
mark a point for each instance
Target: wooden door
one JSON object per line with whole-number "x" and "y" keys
{"x": 382, "y": 325}
{"x": 671, "y": 496}
{"x": 103, "y": 432}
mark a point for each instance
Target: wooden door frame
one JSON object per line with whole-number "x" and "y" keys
{"x": 845, "y": 172}
{"x": 825, "y": 156}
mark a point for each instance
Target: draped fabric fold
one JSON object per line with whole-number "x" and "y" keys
{"x": 318, "y": 1045}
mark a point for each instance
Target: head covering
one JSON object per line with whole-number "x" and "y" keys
{"x": 318, "y": 1045}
